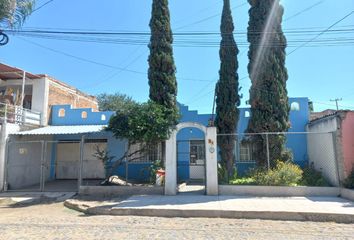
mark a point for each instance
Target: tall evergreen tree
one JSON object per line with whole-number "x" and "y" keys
{"x": 162, "y": 79}
{"x": 162, "y": 69}
{"x": 227, "y": 88}
{"x": 268, "y": 94}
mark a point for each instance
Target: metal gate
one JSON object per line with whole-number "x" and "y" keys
{"x": 47, "y": 165}
{"x": 191, "y": 161}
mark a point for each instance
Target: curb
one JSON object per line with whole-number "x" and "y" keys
{"x": 264, "y": 215}
{"x": 76, "y": 206}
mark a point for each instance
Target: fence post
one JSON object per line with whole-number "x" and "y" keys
{"x": 5, "y": 116}
{"x": 336, "y": 158}
{"x": 41, "y": 181}
{"x": 126, "y": 164}
{"x": 79, "y": 179}
{"x": 7, "y": 146}
{"x": 126, "y": 171}
{"x": 268, "y": 157}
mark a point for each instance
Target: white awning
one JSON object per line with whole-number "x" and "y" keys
{"x": 57, "y": 130}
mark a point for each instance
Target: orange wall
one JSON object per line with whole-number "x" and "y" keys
{"x": 348, "y": 142}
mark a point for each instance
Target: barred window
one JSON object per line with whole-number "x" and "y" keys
{"x": 244, "y": 152}
{"x": 138, "y": 155}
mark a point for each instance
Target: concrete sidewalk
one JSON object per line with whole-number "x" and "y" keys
{"x": 280, "y": 208}
{"x": 28, "y": 198}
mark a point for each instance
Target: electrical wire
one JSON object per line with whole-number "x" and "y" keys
{"x": 304, "y": 10}
{"x": 41, "y": 6}
{"x": 102, "y": 64}
{"x": 321, "y": 33}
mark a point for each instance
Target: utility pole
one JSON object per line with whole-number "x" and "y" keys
{"x": 336, "y": 100}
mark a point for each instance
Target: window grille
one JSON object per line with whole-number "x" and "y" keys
{"x": 136, "y": 155}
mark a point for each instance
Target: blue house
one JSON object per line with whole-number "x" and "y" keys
{"x": 45, "y": 156}
{"x": 190, "y": 146}
{"x": 190, "y": 141}
{"x": 68, "y": 126}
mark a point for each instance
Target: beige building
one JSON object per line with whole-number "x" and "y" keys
{"x": 26, "y": 100}
{"x": 38, "y": 92}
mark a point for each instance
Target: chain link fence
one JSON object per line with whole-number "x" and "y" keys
{"x": 46, "y": 165}
{"x": 41, "y": 166}
{"x": 314, "y": 153}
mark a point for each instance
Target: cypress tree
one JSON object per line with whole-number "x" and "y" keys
{"x": 227, "y": 97}
{"x": 162, "y": 69}
{"x": 268, "y": 93}
{"x": 162, "y": 79}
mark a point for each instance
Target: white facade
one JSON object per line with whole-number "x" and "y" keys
{"x": 210, "y": 159}
{"x": 323, "y": 148}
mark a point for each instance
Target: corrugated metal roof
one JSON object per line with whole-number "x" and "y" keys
{"x": 56, "y": 130}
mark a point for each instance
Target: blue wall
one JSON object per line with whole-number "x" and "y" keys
{"x": 296, "y": 143}
{"x": 116, "y": 147}
{"x": 73, "y": 116}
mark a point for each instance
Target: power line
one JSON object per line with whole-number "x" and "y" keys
{"x": 333, "y": 105}
{"x": 202, "y": 10}
{"x": 336, "y": 100}
{"x": 307, "y": 42}
{"x": 115, "y": 30}
{"x": 44, "y": 4}
{"x": 303, "y": 30}
{"x": 321, "y": 33}
{"x": 103, "y": 64}
{"x": 208, "y": 18}
{"x": 304, "y": 10}
{"x": 117, "y": 73}
{"x": 190, "y": 42}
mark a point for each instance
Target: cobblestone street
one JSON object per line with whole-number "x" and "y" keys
{"x": 54, "y": 221}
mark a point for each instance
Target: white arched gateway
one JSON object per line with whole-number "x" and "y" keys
{"x": 210, "y": 155}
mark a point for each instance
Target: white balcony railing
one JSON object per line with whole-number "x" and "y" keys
{"x": 18, "y": 115}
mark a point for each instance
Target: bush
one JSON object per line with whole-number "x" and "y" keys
{"x": 312, "y": 177}
{"x": 223, "y": 176}
{"x": 349, "y": 181}
{"x": 243, "y": 181}
{"x": 283, "y": 174}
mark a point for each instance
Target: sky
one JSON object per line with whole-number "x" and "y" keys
{"x": 321, "y": 70}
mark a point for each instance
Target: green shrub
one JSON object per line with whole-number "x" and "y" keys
{"x": 223, "y": 177}
{"x": 243, "y": 181}
{"x": 312, "y": 177}
{"x": 283, "y": 174}
{"x": 349, "y": 181}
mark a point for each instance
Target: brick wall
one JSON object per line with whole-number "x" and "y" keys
{"x": 60, "y": 93}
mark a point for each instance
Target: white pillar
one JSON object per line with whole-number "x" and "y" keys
{"x": 171, "y": 165}
{"x": 23, "y": 88}
{"x": 40, "y": 94}
{"x": 3, "y": 136}
{"x": 211, "y": 162}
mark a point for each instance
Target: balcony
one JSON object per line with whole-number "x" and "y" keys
{"x": 18, "y": 115}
